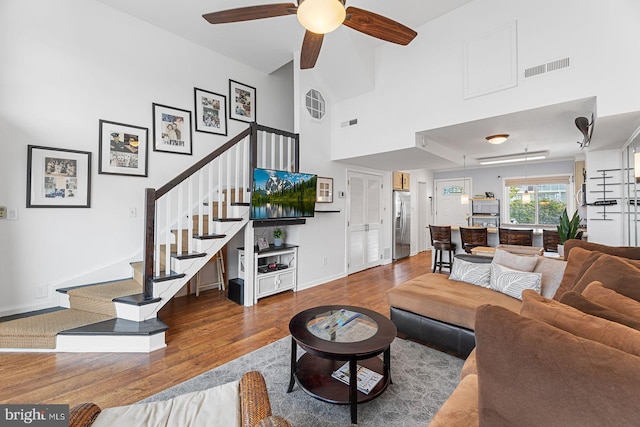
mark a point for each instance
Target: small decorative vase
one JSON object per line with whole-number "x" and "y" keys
{"x": 277, "y": 241}
{"x": 561, "y": 251}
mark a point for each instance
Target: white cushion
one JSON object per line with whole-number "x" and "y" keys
{"x": 215, "y": 407}
{"x": 515, "y": 262}
{"x": 552, "y": 271}
{"x": 474, "y": 273}
{"x": 513, "y": 282}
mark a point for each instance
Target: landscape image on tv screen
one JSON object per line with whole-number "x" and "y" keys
{"x": 282, "y": 194}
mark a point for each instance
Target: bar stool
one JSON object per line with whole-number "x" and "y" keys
{"x": 513, "y": 236}
{"x": 441, "y": 241}
{"x": 473, "y": 237}
{"x": 219, "y": 281}
{"x": 550, "y": 240}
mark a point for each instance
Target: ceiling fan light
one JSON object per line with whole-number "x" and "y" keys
{"x": 321, "y": 16}
{"x": 497, "y": 139}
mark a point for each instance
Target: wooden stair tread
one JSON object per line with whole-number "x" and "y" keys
{"x": 119, "y": 327}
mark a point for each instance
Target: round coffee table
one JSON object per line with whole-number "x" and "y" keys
{"x": 331, "y": 335}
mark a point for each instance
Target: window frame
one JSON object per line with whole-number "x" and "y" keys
{"x": 535, "y": 182}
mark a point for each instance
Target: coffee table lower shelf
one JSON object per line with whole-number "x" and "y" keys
{"x": 313, "y": 375}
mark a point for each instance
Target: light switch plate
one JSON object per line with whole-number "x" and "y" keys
{"x": 12, "y": 215}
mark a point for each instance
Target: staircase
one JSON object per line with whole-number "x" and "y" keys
{"x": 187, "y": 221}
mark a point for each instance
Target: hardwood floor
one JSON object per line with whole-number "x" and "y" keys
{"x": 204, "y": 333}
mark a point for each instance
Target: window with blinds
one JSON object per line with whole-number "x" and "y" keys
{"x": 549, "y": 196}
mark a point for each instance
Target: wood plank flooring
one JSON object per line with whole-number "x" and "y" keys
{"x": 204, "y": 333}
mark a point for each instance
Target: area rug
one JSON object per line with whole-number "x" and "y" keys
{"x": 423, "y": 378}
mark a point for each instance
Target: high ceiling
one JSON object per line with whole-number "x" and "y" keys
{"x": 268, "y": 44}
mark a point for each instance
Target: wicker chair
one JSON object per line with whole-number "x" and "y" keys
{"x": 510, "y": 236}
{"x": 473, "y": 237}
{"x": 255, "y": 408}
{"x": 441, "y": 241}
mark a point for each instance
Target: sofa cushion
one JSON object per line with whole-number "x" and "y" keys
{"x": 592, "y": 307}
{"x": 471, "y": 272}
{"x": 577, "y": 263}
{"x": 596, "y": 292}
{"x": 217, "y": 406}
{"x": 533, "y": 374}
{"x": 433, "y": 295}
{"x": 515, "y": 262}
{"x": 630, "y": 252}
{"x": 469, "y": 367}
{"x": 513, "y": 282}
{"x": 619, "y": 274}
{"x": 461, "y": 408}
{"x": 580, "y": 324}
{"x": 552, "y": 271}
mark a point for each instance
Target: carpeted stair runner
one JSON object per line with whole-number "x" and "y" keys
{"x": 99, "y": 298}
{"x": 89, "y": 304}
{"x": 40, "y": 331}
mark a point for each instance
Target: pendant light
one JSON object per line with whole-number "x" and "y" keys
{"x": 526, "y": 197}
{"x": 464, "y": 197}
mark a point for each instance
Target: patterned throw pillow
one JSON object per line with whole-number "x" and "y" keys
{"x": 471, "y": 272}
{"x": 513, "y": 282}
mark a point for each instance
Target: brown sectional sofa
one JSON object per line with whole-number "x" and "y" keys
{"x": 569, "y": 360}
{"x": 440, "y": 312}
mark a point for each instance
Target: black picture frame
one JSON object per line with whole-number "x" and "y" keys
{"x": 242, "y": 102}
{"x": 172, "y": 130}
{"x": 210, "y": 111}
{"x": 58, "y": 178}
{"x": 123, "y": 149}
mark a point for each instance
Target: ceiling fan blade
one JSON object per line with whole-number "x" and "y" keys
{"x": 250, "y": 13}
{"x": 378, "y": 26}
{"x": 310, "y": 49}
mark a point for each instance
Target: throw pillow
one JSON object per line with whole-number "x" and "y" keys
{"x": 513, "y": 282}
{"x": 569, "y": 319}
{"x": 597, "y": 293}
{"x": 577, "y": 262}
{"x": 552, "y": 271}
{"x": 533, "y": 374}
{"x": 589, "y": 306}
{"x": 471, "y": 272}
{"x": 618, "y": 274}
{"x": 515, "y": 262}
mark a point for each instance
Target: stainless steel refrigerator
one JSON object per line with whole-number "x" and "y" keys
{"x": 401, "y": 224}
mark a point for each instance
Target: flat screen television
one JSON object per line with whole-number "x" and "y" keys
{"x": 281, "y": 194}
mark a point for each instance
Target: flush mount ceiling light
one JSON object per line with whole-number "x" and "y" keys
{"x": 512, "y": 158}
{"x": 497, "y": 139}
{"x": 321, "y": 16}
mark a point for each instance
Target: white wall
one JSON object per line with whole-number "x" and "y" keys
{"x": 420, "y": 86}
{"x": 65, "y": 65}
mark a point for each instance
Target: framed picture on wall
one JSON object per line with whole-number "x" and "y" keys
{"x": 171, "y": 130}
{"x": 242, "y": 102}
{"x": 58, "y": 178}
{"x": 122, "y": 149}
{"x": 324, "y": 192}
{"x": 210, "y": 111}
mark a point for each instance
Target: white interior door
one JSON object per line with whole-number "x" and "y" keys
{"x": 449, "y": 210}
{"x": 364, "y": 221}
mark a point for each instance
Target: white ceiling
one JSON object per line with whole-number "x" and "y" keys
{"x": 268, "y": 44}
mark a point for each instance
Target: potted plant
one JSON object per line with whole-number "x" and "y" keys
{"x": 567, "y": 229}
{"x": 277, "y": 236}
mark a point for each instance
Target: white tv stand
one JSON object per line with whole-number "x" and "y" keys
{"x": 269, "y": 281}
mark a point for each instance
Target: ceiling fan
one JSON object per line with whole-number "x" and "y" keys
{"x": 319, "y": 17}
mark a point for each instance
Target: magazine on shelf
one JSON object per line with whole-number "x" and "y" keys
{"x": 367, "y": 379}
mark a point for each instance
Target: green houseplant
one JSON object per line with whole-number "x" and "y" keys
{"x": 567, "y": 229}
{"x": 277, "y": 236}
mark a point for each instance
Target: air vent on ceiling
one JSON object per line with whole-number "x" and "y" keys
{"x": 349, "y": 123}
{"x": 548, "y": 67}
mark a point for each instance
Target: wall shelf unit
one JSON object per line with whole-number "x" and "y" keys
{"x": 485, "y": 212}
{"x": 607, "y": 194}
